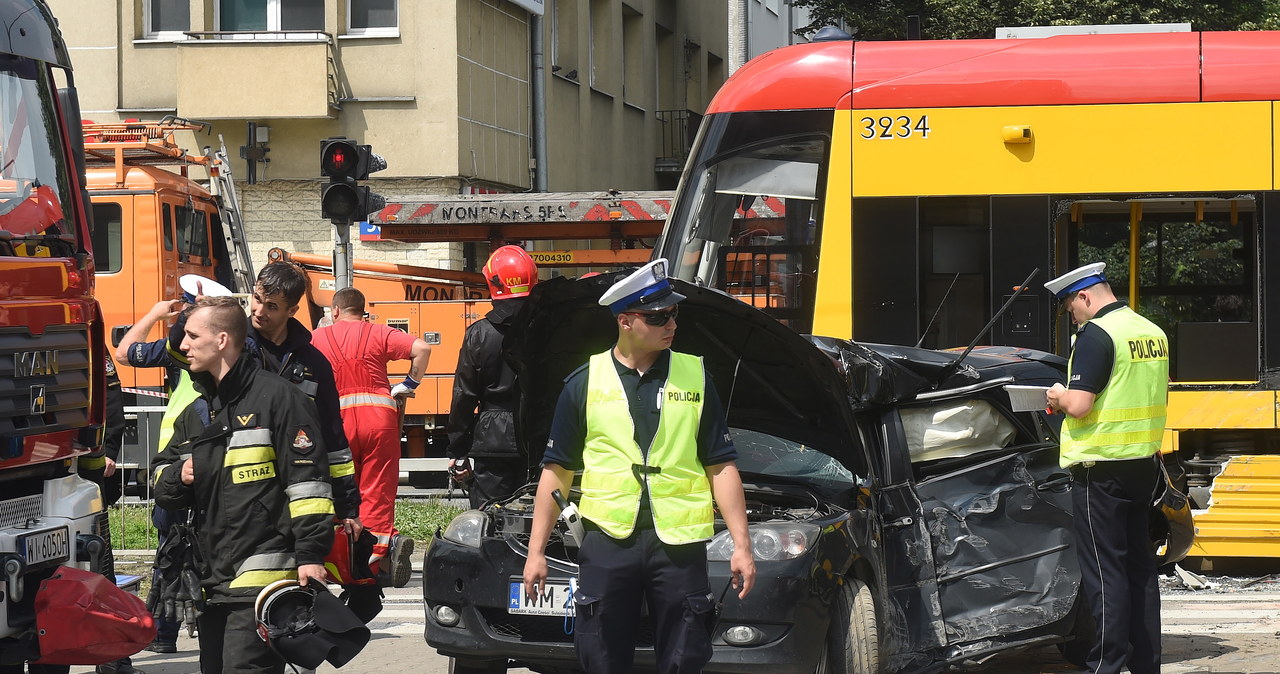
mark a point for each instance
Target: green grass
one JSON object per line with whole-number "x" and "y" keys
{"x": 420, "y": 519}
{"x": 131, "y": 524}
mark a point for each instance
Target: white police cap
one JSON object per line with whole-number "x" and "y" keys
{"x": 195, "y": 285}
{"x": 645, "y": 289}
{"x": 1077, "y": 279}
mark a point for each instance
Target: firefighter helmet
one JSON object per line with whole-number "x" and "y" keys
{"x": 308, "y": 625}
{"x": 510, "y": 272}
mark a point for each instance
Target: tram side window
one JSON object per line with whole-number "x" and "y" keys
{"x": 1195, "y": 277}
{"x": 107, "y": 227}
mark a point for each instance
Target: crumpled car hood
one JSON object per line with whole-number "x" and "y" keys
{"x": 770, "y": 378}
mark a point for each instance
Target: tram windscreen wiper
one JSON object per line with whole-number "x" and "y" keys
{"x": 950, "y": 368}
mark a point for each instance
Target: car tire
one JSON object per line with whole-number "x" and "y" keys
{"x": 853, "y": 639}
{"x": 457, "y": 666}
{"x": 1083, "y": 634}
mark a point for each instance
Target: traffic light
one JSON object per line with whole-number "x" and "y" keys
{"x": 344, "y": 162}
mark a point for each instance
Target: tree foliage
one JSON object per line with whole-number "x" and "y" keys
{"x": 961, "y": 19}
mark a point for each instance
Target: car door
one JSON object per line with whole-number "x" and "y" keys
{"x": 997, "y": 509}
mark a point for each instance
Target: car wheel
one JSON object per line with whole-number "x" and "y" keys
{"x": 457, "y": 666}
{"x": 853, "y": 639}
{"x": 1083, "y": 635}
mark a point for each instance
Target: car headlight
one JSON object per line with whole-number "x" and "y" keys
{"x": 466, "y": 529}
{"x": 770, "y": 542}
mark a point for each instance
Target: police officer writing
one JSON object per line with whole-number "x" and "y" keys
{"x": 1115, "y": 398}
{"x": 644, "y": 425}
{"x": 482, "y": 437}
{"x": 258, "y": 480}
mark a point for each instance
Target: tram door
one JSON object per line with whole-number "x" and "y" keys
{"x": 931, "y": 270}
{"x": 1196, "y": 263}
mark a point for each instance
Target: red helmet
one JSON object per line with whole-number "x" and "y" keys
{"x": 510, "y": 272}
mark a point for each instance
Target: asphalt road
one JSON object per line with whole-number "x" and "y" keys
{"x": 1229, "y": 628}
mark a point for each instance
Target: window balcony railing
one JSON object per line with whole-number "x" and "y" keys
{"x": 676, "y": 131}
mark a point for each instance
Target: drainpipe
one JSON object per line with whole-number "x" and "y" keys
{"x": 538, "y": 89}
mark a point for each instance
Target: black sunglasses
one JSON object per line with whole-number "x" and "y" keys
{"x": 658, "y": 320}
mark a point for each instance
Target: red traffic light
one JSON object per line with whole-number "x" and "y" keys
{"x": 339, "y": 158}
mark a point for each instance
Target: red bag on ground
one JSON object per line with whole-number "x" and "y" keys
{"x": 84, "y": 619}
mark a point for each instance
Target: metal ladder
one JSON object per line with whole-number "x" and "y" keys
{"x": 222, "y": 186}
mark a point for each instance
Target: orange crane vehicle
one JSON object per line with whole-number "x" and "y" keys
{"x": 618, "y": 229}
{"x": 438, "y": 304}
{"x": 160, "y": 212}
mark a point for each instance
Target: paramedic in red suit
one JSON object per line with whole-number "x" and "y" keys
{"x": 359, "y": 351}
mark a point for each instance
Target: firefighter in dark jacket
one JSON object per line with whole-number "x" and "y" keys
{"x": 283, "y": 346}
{"x": 482, "y": 439}
{"x": 258, "y": 480}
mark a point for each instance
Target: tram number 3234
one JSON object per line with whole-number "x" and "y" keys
{"x": 901, "y": 126}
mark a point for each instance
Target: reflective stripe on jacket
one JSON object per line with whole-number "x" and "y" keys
{"x": 613, "y": 465}
{"x": 262, "y": 495}
{"x": 1127, "y": 419}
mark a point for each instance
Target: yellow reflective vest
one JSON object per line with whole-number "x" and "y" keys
{"x": 1127, "y": 419}
{"x": 613, "y": 465}
{"x": 183, "y": 394}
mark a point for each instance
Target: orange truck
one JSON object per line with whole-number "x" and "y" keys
{"x": 160, "y": 212}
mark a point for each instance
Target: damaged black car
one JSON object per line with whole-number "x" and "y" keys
{"x": 904, "y": 518}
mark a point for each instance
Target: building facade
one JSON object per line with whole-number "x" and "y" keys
{"x": 440, "y": 88}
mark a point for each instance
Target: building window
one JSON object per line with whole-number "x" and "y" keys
{"x": 166, "y": 19}
{"x": 632, "y": 57}
{"x": 564, "y": 39}
{"x": 603, "y": 46}
{"x": 270, "y": 15}
{"x": 372, "y": 17}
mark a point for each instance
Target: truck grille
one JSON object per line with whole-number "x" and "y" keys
{"x": 16, "y": 512}
{"x": 55, "y": 365}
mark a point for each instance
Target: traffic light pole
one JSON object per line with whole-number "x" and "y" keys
{"x": 342, "y": 256}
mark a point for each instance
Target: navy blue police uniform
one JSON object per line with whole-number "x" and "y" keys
{"x": 1106, "y": 488}
{"x": 617, "y": 575}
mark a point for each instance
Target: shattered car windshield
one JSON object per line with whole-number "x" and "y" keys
{"x": 763, "y": 454}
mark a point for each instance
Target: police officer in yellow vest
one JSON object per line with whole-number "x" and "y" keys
{"x": 644, "y": 425}
{"x": 1117, "y": 388}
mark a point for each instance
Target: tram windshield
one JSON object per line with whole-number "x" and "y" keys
{"x": 748, "y": 213}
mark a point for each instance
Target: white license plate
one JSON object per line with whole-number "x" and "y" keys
{"x": 555, "y": 599}
{"x": 53, "y": 545}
